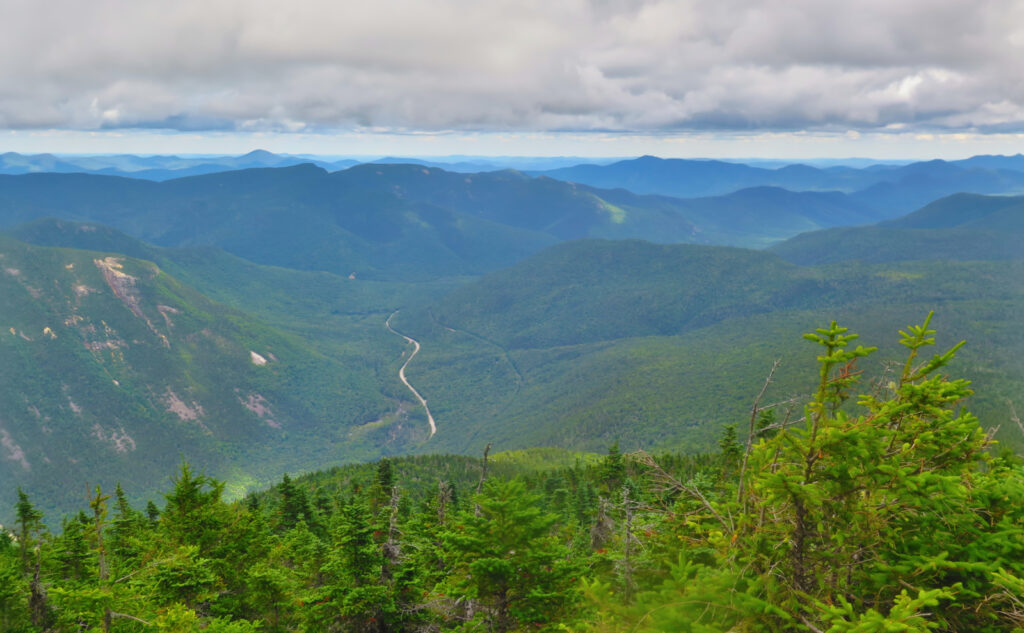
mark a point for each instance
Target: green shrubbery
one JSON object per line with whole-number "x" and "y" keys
{"x": 893, "y": 518}
{"x": 882, "y": 508}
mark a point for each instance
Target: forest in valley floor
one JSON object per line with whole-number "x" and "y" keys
{"x": 868, "y": 506}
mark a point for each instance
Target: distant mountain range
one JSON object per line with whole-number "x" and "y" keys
{"x": 859, "y": 194}
{"x": 154, "y": 167}
{"x": 891, "y": 190}
{"x": 401, "y": 221}
{"x": 888, "y": 188}
{"x": 168, "y": 167}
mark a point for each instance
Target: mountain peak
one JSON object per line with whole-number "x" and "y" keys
{"x": 260, "y": 153}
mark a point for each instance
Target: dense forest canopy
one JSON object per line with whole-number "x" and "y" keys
{"x": 117, "y": 355}
{"x": 868, "y": 507}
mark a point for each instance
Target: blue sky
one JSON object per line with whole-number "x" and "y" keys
{"x": 733, "y": 78}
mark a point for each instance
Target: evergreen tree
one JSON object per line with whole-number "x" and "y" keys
{"x": 72, "y": 550}
{"x": 352, "y": 598}
{"x": 152, "y": 512}
{"x": 383, "y": 483}
{"x": 893, "y": 519}
{"x": 30, "y": 523}
{"x": 295, "y": 506}
{"x": 730, "y": 451}
{"x": 195, "y": 514}
{"x": 125, "y": 534}
{"x": 185, "y": 578}
{"x": 509, "y": 562}
{"x": 613, "y": 470}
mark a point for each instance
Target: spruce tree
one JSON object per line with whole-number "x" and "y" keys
{"x": 888, "y": 516}
{"x": 295, "y": 506}
{"x": 352, "y": 598}
{"x": 30, "y": 523}
{"x": 509, "y": 561}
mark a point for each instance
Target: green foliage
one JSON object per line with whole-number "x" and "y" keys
{"x": 30, "y": 522}
{"x": 13, "y": 589}
{"x": 730, "y": 450}
{"x": 613, "y": 469}
{"x": 195, "y": 515}
{"x": 295, "y": 506}
{"x": 352, "y": 597}
{"x": 509, "y": 559}
{"x": 896, "y": 518}
{"x": 72, "y": 550}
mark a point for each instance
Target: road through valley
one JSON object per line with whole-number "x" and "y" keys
{"x": 401, "y": 372}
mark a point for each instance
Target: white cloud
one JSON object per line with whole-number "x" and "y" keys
{"x": 655, "y": 67}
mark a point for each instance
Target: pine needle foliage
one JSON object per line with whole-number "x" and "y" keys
{"x": 878, "y": 511}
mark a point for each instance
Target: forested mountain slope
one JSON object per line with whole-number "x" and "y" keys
{"x": 110, "y": 369}
{"x": 406, "y": 221}
{"x": 583, "y": 344}
{"x": 962, "y": 227}
{"x": 658, "y": 345}
{"x": 303, "y": 217}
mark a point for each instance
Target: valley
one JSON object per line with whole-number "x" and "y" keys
{"x": 598, "y": 316}
{"x": 405, "y": 381}
{"x": 265, "y": 321}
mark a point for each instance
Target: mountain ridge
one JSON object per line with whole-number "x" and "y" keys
{"x": 962, "y": 227}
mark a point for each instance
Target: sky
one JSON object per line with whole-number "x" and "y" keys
{"x": 729, "y": 78}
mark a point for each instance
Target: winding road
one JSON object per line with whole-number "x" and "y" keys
{"x": 401, "y": 372}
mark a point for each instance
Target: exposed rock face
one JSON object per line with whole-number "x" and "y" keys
{"x": 121, "y": 283}
{"x": 118, "y": 438}
{"x": 12, "y": 451}
{"x": 187, "y": 412}
{"x": 258, "y": 404}
{"x": 123, "y": 286}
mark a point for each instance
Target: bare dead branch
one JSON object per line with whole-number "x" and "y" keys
{"x": 665, "y": 478}
{"x": 125, "y": 616}
{"x": 483, "y": 477}
{"x": 810, "y": 626}
{"x": 1014, "y": 417}
{"x": 754, "y": 410}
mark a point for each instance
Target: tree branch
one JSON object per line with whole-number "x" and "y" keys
{"x": 753, "y": 424}
{"x": 125, "y": 616}
{"x": 668, "y": 480}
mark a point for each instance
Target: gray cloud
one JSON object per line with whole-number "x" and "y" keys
{"x": 658, "y": 66}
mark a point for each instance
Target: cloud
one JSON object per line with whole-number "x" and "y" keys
{"x": 513, "y": 65}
